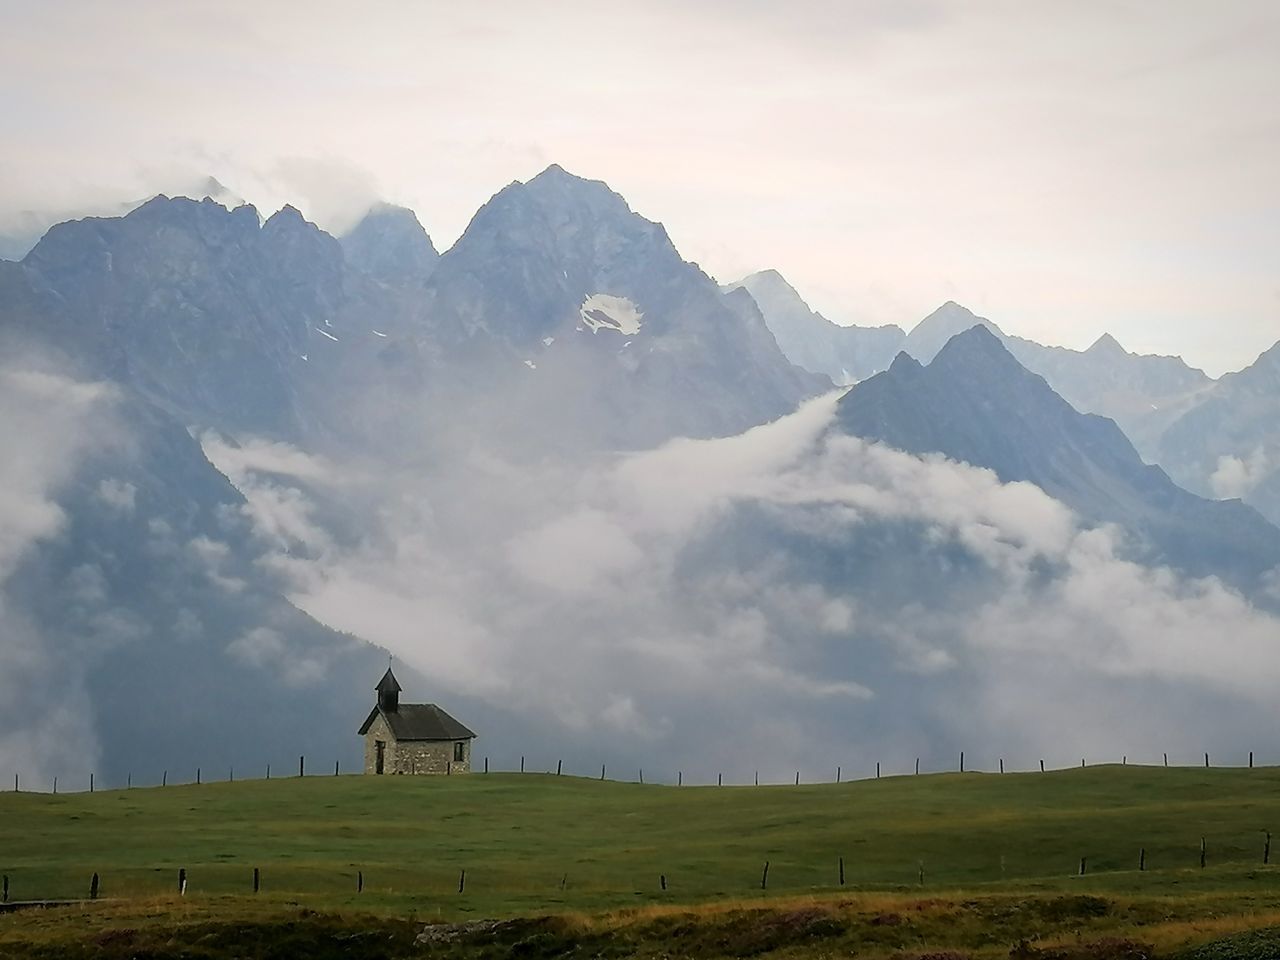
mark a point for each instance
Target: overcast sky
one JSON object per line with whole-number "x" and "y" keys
{"x": 1063, "y": 168}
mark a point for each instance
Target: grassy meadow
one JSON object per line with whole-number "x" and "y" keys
{"x": 975, "y": 862}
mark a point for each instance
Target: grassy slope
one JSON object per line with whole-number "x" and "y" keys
{"x": 518, "y": 837}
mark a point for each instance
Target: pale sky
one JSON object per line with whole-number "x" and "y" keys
{"x": 1062, "y": 168}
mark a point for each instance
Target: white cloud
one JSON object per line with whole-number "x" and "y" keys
{"x": 1235, "y": 477}
{"x": 661, "y": 599}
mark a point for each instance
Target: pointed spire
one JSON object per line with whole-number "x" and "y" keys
{"x": 389, "y": 692}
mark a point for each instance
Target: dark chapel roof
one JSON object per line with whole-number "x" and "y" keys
{"x": 419, "y": 721}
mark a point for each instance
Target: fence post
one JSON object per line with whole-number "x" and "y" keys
{"x": 917, "y": 766}
{"x": 1082, "y": 865}
{"x": 335, "y": 767}
{"x": 757, "y": 778}
{"x": 197, "y": 776}
{"x": 182, "y": 881}
{"x": 679, "y": 778}
{"x": 91, "y": 783}
{"x": 268, "y": 771}
{"x": 642, "y": 774}
{"x": 1142, "y": 859}
{"x": 837, "y": 773}
{"x": 1202, "y": 853}
{"x": 1250, "y": 759}
{"x": 662, "y": 880}
{"x": 4, "y": 890}
{"x": 720, "y": 779}
{"x": 55, "y": 784}
{"x": 462, "y": 881}
{"x": 764, "y": 877}
{"x": 359, "y": 881}
{"x": 1166, "y": 759}
{"x": 486, "y": 764}
{"x": 797, "y": 778}
{"x": 1042, "y": 766}
{"x": 128, "y": 781}
{"x": 1206, "y": 761}
{"x": 962, "y": 761}
{"x": 522, "y": 763}
{"x": 302, "y": 766}
{"x": 842, "y": 871}
{"x": 1002, "y": 764}
{"x": 256, "y": 879}
{"x": 602, "y": 771}
{"x": 164, "y": 779}
{"x": 877, "y": 769}
{"x": 231, "y": 774}
{"x": 559, "y": 767}
{"x": 1266, "y": 849}
{"x": 93, "y": 888}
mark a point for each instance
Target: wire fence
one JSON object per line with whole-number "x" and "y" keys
{"x": 89, "y": 783}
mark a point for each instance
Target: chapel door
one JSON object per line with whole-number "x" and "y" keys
{"x": 381, "y": 756}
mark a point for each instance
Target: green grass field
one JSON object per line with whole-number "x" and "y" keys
{"x": 538, "y": 845}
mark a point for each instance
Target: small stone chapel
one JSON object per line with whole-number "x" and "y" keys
{"x": 413, "y": 738}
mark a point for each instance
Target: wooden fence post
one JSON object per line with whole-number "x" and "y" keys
{"x": 1002, "y": 764}
{"x": 1250, "y": 759}
{"x": 662, "y": 881}
{"x": 1206, "y": 761}
{"x": 359, "y": 881}
{"x": 55, "y": 784}
{"x": 486, "y": 764}
{"x": 917, "y": 766}
{"x": 962, "y": 761}
{"x": 764, "y": 877}
{"x": 268, "y": 771}
{"x": 335, "y": 767}
{"x": 1042, "y": 766}
{"x": 642, "y": 774}
{"x": 4, "y": 890}
{"x": 720, "y": 779}
{"x": 197, "y": 776}
{"x": 877, "y": 769}
{"x": 842, "y": 871}
{"x": 559, "y": 767}
{"x": 1202, "y": 851}
{"x": 797, "y": 778}
{"x": 256, "y": 880}
{"x": 93, "y": 888}
{"x": 1142, "y": 859}
{"x": 164, "y": 779}
{"x": 602, "y": 771}
{"x": 837, "y": 773}
{"x": 757, "y": 778}
{"x": 462, "y": 881}
{"x": 182, "y": 881}
{"x": 1083, "y": 862}
{"x": 922, "y": 873}
{"x": 522, "y": 763}
{"x": 1266, "y": 849}
{"x": 302, "y": 766}
{"x": 91, "y": 783}
{"x": 1166, "y": 759}
{"x": 679, "y": 778}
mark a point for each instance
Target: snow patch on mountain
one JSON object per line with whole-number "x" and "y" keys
{"x": 602, "y": 311}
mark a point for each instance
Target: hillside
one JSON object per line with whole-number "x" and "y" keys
{"x": 540, "y": 844}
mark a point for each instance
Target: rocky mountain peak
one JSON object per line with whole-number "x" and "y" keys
{"x": 1107, "y": 345}
{"x": 390, "y": 245}
{"x": 930, "y": 334}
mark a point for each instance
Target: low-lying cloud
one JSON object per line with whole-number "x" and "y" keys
{"x": 785, "y": 599}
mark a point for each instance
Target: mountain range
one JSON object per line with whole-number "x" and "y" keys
{"x": 1177, "y": 416}
{"x": 367, "y": 393}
